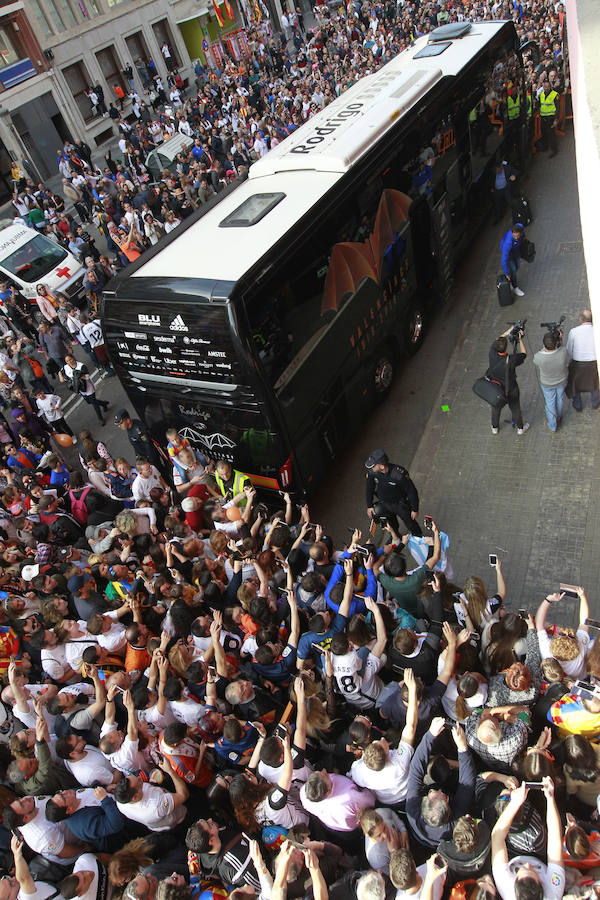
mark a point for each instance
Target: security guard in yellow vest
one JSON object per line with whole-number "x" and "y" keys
{"x": 231, "y": 480}
{"x": 548, "y": 110}
{"x": 513, "y": 107}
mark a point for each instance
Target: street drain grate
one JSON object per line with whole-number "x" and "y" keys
{"x": 571, "y": 247}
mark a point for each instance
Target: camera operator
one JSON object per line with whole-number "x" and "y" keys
{"x": 501, "y": 370}
{"x": 552, "y": 362}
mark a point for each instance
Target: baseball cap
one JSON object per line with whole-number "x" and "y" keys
{"x": 122, "y": 414}
{"x": 76, "y": 582}
{"x": 377, "y": 456}
{"x": 29, "y": 572}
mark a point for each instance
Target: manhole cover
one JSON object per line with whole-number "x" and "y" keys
{"x": 571, "y": 247}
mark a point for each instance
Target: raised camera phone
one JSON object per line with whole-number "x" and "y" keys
{"x": 493, "y": 559}
{"x": 428, "y": 522}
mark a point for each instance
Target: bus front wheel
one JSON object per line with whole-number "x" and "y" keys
{"x": 383, "y": 372}
{"x": 414, "y": 330}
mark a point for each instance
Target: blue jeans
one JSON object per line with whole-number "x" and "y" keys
{"x": 513, "y": 265}
{"x": 553, "y": 398}
{"x": 594, "y": 398}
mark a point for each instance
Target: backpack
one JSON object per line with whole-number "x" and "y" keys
{"x": 35, "y": 367}
{"x": 79, "y": 510}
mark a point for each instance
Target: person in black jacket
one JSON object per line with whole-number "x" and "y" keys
{"x": 397, "y": 497}
{"x": 501, "y": 370}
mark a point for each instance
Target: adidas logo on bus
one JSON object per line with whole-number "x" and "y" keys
{"x": 178, "y": 324}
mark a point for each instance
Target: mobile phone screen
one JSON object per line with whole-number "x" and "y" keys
{"x": 493, "y": 559}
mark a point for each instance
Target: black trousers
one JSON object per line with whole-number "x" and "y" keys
{"x": 514, "y": 404}
{"x": 548, "y": 139}
{"x": 398, "y": 515}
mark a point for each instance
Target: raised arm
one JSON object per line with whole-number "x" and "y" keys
{"x": 99, "y": 691}
{"x": 300, "y": 732}
{"x": 163, "y": 673}
{"x": 22, "y": 873}
{"x": 381, "y": 634}
{"x": 500, "y": 582}
{"x": 412, "y": 712}
{"x": 502, "y": 826}
{"x": 450, "y": 658}
{"x": 319, "y": 884}
{"x": 181, "y": 788}
{"x": 344, "y": 608}
{"x": 584, "y": 609}
{"x": 215, "y": 637}
{"x": 540, "y": 616}
{"x": 437, "y": 548}
{"x": 287, "y": 772}
{"x": 132, "y": 723}
{"x": 294, "y": 619}
{"x": 553, "y": 825}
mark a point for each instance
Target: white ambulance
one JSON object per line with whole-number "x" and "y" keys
{"x": 28, "y": 258}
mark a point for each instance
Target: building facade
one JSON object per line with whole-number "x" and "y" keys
{"x": 53, "y": 51}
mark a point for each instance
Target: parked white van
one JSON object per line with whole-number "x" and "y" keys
{"x": 28, "y": 258}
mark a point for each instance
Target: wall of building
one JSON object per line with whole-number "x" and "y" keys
{"x": 584, "y": 40}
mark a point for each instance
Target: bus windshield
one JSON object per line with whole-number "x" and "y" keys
{"x": 34, "y": 259}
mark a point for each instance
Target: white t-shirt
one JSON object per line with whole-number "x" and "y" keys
{"x": 93, "y": 767}
{"x": 152, "y": 717}
{"x": 450, "y": 697}
{"x": 552, "y": 877}
{"x": 438, "y": 889}
{"x": 93, "y": 333}
{"x": 141, "y": 487}
{"x": 156, "y": 809}
{"x": 128, "y": 758}
{"x": 114, "y": 639}
{"x": 41, "y": 890}
{"x": 41, "y": 835}
{"x": 358, "y": 689}
{"x": 54, "y": 661}
{"x": 87, "y": 862}
{"x": 389, "y": 785}
{"x": 74, "y": 648}
{"x": 574, "y": 668}
{"x": 188, "y": 711}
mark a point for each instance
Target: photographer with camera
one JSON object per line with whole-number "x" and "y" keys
{"x": 552, "y": 362}
{"x": 501, "y": 370}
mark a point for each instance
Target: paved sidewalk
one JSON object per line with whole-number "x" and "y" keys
{"x": 532, "y": 499}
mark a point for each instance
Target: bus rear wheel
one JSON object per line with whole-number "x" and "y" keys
{"x": 383, "y": 372}
{"x": 414, "y": 330}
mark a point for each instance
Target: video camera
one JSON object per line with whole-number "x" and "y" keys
{"x": 554, "y": 329}
{"x": 517, "y": 331}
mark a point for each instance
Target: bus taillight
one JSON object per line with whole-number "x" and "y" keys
{"x": 285, "y": 473}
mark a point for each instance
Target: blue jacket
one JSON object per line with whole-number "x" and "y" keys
{"x": 356, "y": 604}
{"x": 509, "y": 246}
{"x": 101, "y": 826}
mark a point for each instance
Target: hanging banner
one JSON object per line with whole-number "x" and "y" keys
{"x": 218, "y": 13}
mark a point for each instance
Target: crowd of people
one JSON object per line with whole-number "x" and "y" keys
{"x": 203, "y": 696}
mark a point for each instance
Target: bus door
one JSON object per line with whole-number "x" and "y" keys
{"x": 423, "y": 257}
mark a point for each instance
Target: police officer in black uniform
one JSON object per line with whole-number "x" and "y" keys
{"x": 138, "y": 437}
{"x": 391, "y": 494}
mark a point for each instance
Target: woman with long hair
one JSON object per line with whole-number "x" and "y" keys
{"x": 259, "y": 803}
{"x": 127, "y": 862}
{"x": 475, "y": 602}
{"x": 505, "y": 640}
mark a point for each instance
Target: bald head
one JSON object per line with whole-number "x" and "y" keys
{"x": 585, "y": 315}
{"x": 489, "y": 732}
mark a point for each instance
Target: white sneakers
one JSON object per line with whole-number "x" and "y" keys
{"x": 525, "y": 428}
{"x": 494, "y": 430}
{"x": 518, "y": 292}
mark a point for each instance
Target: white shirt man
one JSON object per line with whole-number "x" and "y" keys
{"x": 42, "y": 836}
{"x": 147, "y": 478}
{"x": 92, "y": 767}
{"x": 389, "y": 783}
{"x": 50, "y": 407}
{"x": 155, "y": 809}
